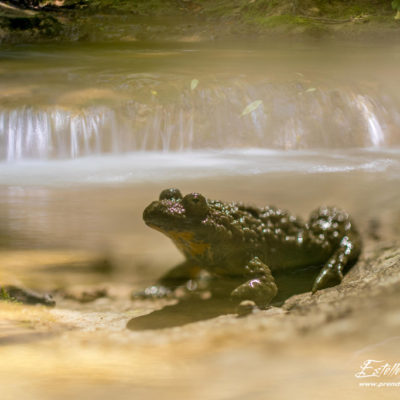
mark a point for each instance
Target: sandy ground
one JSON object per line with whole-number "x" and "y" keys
{"x": 312, "y": 346}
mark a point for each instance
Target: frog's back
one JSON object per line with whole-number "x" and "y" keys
{"x": 283, "y": 240}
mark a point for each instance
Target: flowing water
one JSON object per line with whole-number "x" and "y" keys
{"x": 89, "y": 134}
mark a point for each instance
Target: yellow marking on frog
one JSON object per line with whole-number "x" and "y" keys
{"x": 186, "y": 243}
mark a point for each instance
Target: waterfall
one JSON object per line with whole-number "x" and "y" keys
{"x": 289, "y": 116}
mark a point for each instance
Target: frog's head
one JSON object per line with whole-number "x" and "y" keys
{"x": 173, "y": 212}
{"x": 184, "y": 219}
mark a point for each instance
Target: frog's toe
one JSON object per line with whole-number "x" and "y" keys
{"x": 152, "y": 292}
{"x": 327, "y": 278}
{"x": 257, "y": 290}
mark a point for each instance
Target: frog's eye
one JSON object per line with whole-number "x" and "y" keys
{"x": 195, "y": 205}
{"x": 170, "y": 194}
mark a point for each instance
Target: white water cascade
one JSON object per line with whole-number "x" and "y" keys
{"x": 290, "y": 116}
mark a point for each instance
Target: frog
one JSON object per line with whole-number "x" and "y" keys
{"x": 249, "y": 245}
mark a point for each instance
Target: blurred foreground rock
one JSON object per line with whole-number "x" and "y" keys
{"x": 13, "y": 293}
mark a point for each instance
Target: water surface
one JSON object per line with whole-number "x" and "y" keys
{"x": 90, "y": 134}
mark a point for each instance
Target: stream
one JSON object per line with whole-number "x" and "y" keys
{"x": 91, "y": 133}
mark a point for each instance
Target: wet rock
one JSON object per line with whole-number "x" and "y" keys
{"x": 25, "y": 296}
{"x": 85, "y": 294}
{"x": 367, "y": 293}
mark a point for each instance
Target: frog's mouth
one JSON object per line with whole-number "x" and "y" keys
{"x": 165, "y": 228}
{"x": 157, "y": 228}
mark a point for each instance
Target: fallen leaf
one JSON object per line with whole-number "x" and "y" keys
{"x": 194, "y": 83}
{"x": 251, "y": 107}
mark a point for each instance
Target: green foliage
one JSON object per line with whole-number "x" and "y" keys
{"x": 396, "y": 5}
{"x": 144, "y": 19}
{"x": 4, "y": 295}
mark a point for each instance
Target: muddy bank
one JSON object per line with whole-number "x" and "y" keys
{"x": 318, "y": 342}
{"x": 190, "y": 21}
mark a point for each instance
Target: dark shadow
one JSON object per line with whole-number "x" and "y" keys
{"x": 184, "y": 312}
{"x": 194, "y": 309}
{"x": 293, "y": 282}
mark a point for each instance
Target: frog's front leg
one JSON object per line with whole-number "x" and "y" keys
{"x": 260, "y": 286}
{"x": 332, "y": 272}
{"x": 174, "y": 278}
